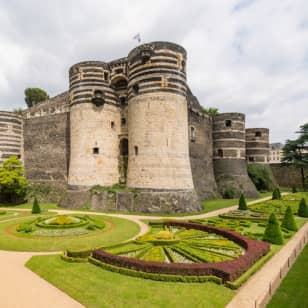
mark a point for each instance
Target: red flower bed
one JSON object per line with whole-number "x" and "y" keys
{"x": 228, "y": 270}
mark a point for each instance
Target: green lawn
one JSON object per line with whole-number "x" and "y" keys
{"x": 95, "y": 287}
{"x": 292, "y": 292}
{"x": 44, "y": 206}
{"x": 117, "y": 230}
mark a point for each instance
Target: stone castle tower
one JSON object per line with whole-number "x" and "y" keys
{"x": 134, "y": 121}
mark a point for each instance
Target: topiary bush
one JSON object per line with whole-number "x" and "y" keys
{"x": 302, "y": 208}
{"x": 242, "y": 205}
{"x": 36, "y": 207}
{"x": 288, "y": 221}
{"x": 294, "y": 190}
{"x": 276, "y": 194}
{"x": 272, "y": 233}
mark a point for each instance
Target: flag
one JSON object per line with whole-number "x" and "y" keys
{"x": 137, "y": 37}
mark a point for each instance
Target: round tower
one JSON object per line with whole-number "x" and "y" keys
{"x": 11, "y": 136}
{"x": 94, "y": 126}
{"x": 157, "y": 118}
{"x": 257, "y": 145}
{"x": 230, "y": 154}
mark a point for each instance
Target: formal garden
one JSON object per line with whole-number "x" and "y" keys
{"x": 210, "y": 257}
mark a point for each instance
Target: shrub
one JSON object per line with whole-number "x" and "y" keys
{"x": 242, "y": 205}
{"x": 25, "y": 227}
{"x": 229, "y": 193}
{"x": 36, "y": 207}
{"x": 276, "y": 194}
{"x": 288, "y": 221}
{"x": 294, "y": 190}
{"x": 261, "y": 176}
{"x": 302, "y": 208}
{"x": 272, "y": 233}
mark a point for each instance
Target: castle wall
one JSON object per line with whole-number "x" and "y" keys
{"x": 11, "y": 135}
{"x": 46, "y": 148}
{"x": 157, "y": 118}
{"x": 95, "y": 126}
{"x": 257, "y": 145}
{"x": 230, "y": 154}
{"x": 201, "y": 155}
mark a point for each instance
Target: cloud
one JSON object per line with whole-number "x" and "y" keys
{"x": 243, "y": 55}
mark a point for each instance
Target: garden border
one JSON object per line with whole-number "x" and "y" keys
{"x": 227, "y": 270}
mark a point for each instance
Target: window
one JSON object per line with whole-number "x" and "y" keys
{"x": 123, "y": 121}
{"x": 112, "y": 124}
{"x": 258, "y": 134}
{"x": 135, "y": 88}
{"x": 98, "y": 98}
{"x": 228, "y": 123}
{"x": 124, "y": 147}
{"x": 136, "y": 150}
{"x": 220, "y": 153}
{"x": 106, "y": 76}
{"x": 192, "y": 134}
{"x": 96, "y": 151}
{"x": 250, "y": 158}
{"x": 122, "y": 100}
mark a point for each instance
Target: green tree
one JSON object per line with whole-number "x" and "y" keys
{"x": 302, "y": 208}
{"x": 276, "y": 194}
{"x": 36, "y": 207}
{"x": 210, "y": 111}
{"x": 295, "y": 152}
{"x": 34, "y": 96}
{"x": 272, "y": 233}
{"x": 12, "y": 179}
{"x": 288, "y": 221}
{"x": 242, "y": 205}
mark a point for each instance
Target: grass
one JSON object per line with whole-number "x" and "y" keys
{"x": 43, "y": 206}
{"x": 293, "y": 289}
{"x": 119, "y": 230}
{"x": 95, "y": 287}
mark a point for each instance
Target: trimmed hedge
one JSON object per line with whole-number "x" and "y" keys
{"x": 272, "y": 233}
{"x": 227, "y": 271}
{"x": 288, "y": 221}
{"x": 79, "y": 254}
{"x": 242, "y": 205}
{"x": 302, "y": 208}
{"x": 152, "y": 276}
{"x": 41, "y": 223}
{"x": 67, "y": 258}
{"x": 36, "y": 207}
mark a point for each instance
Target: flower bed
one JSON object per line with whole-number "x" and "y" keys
{"x": 227, "y": 270}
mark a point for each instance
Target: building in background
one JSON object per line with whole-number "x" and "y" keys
{"x": 276, "y": 153}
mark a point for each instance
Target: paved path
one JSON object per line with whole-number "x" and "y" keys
{"x": 22, "y": 288}
{"x": 257, "y": 286}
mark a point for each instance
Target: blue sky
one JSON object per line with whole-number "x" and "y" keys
{"x": 246, "y": 56}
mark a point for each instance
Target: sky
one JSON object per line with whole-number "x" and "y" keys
{"x": 247, "y": 56}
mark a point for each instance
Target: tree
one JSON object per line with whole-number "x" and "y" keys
{"x": 36, "y": 207}
{"x": 295, "y": 152}
{"x": 272, "y": 233}
{"x": 302, "y": 208}
{"x": 210, "y": 111}
{"x": 242, "y": 205}
{"x": 288, "y": 221}
{"x": 12, "y": 179}
{"x": 34, "y": 96}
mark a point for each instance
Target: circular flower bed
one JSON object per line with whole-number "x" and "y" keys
{"x": 62, "y": 221}
{"x": 201, "y": 251}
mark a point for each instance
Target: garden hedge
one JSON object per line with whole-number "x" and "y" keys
{"x": 227, "y": 271}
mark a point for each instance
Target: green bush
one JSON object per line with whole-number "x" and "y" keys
{"x": 276, "y": 194}
{"x": 25, "y": 227}
{"x": 261, "y": 176}
{"x": 36, "y": 207}
{"x": 288, "y": 221}
{"x": 302, "y": 208}
{"x": 294, "y": 190}
{"x": 79, "y": 254}
{"x": 272, "y": 233}
{"x": 242, "y": 205}
{"x": 229, "y": 193}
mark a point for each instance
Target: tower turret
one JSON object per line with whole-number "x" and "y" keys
{"x": 94, "y": 125}
{"x": 230, "y": 154}
{"x": 257, "y": 145}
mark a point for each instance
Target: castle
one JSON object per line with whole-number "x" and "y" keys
{"x": 134, "y": 121}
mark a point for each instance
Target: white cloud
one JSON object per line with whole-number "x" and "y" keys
{"x": 243, "y": 55}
